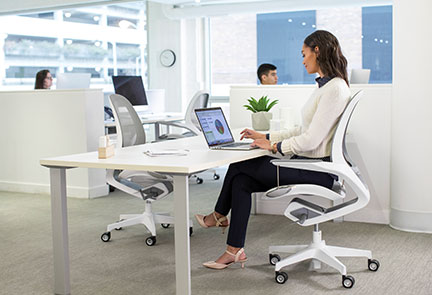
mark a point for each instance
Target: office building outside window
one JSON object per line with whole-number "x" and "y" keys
{"x": 102, "y": 40}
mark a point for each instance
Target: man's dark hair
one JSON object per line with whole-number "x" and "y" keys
{"x": 264, "y": 69}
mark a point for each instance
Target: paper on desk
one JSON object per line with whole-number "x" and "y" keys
{"x": 168, "y": 152}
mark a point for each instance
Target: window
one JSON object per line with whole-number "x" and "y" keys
{"x": 377, "y": 43}
{"x": 102, "y": 40}
{"x": 239, "y": 43}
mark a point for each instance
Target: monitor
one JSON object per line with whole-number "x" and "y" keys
{"x": 360, "y": 76}
{"x": 73, "y": 80}
{"x": 132, "y": 88}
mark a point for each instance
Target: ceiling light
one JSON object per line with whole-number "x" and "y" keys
{"x": 68, "y": 14}
{"x": 96, "y": 18}
{"x": 69, "y": 42}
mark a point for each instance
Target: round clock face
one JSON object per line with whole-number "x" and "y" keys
{"x": 167, "y": 58}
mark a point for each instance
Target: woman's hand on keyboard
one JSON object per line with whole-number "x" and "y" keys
{"x": 262, "y": 144}
{"x": 249, "y": 133}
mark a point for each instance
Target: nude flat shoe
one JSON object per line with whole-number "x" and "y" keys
{"x": 200, "y": 219}
{"x": 219, "y": 266}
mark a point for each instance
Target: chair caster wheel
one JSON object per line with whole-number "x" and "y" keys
{"x": 274, "y": 258}
{"x": 373, "y": 264}
{"x": 105, "y": 237}
{"x": 348, "y": 282}
{"x": 151, "y": 241}
{"x": 165, "y": 225}
{"x": 281, "y": 277}
{"x": 216, "y": 176}
{"x": 199, "y": 180}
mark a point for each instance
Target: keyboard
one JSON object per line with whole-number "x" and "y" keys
{"x": 235, "y": 144}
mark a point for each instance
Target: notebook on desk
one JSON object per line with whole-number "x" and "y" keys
{"x": 217, "y": 132}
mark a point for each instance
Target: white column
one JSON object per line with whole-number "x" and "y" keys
{"x": 3, "y": 37}
{"x": 411, "y": 161}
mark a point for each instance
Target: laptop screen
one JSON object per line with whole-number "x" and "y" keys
{"x": 214, "y": 126}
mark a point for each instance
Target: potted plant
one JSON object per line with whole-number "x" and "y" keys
{"x": 260, "y": 112}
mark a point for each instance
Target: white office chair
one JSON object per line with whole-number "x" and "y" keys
{"x": 148, "y": 186}
{"x": 307, "y": 213}
{"x": 190, "y": 123}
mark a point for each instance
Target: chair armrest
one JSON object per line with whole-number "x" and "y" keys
{"x": 194, "y": 130}
{"x": 340, "y": 170}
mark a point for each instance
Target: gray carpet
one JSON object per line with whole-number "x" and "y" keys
{"x": 125, "y": 265}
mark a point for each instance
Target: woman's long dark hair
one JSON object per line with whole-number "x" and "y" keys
{"x": 40, "y": 77}
{"x": 329, "y": 57}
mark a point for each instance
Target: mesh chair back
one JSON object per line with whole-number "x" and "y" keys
{"x": 339, "y": 152}
{"x": 198, "y": 101}
{"x": 129, "y": 126}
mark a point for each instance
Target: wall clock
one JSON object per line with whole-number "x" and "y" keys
{"x": 167, "y": 58}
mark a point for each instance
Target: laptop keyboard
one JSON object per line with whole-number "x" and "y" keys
{"x": 235, "y": 144}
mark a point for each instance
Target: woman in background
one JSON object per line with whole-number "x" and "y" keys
{"x": 43, "y": 80}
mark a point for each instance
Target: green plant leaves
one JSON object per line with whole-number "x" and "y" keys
{"x": 261, "y": 105}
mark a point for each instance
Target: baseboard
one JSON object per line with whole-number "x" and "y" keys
{"x": 37, "y": 188}
{"x": 419, "y": 222}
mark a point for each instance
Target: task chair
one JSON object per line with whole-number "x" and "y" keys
{"x": 148, "y": 186}
{"x": 190, "y": 123}
{"x": 306, "y": 213}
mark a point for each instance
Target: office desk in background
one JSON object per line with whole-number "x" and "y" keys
{"x": 199, "y": 158}
{"x": 156, "y": 119}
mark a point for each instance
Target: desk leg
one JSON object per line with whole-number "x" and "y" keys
{"x": 181, "y": 235}
{"x": 60, "y": 233}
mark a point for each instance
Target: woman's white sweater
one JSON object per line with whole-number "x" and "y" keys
{"x": 320, "y": 115}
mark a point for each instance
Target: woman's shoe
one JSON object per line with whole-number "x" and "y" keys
{"x": 215, "y": 265}
{"x": 200, "y": 219}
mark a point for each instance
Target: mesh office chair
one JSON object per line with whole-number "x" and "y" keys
{"x": 307, "y": 213}
{"x": 190, "y": 123}
{"x": 148, "y": 186}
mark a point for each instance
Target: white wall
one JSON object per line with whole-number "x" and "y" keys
{"x": 411, "y": 205}
{"x": 47, "y": 123}
{"x": 186, "y": 38}
{"x": 368, "y": 140}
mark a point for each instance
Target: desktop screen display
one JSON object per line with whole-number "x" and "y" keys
{"x": 132, "y": 88}
{"x": 73, "y": 80}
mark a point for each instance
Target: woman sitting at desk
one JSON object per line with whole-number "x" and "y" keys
{"x": 321, "y": 54}
{"x": 43, "y": 80}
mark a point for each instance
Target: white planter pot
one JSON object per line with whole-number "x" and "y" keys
{"x": 261, "y": 121}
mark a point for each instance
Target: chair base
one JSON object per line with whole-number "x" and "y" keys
{"x": 149, "y": 220}
{"x": 319, "y": 252}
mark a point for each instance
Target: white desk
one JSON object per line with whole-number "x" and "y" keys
{"x": 156, "y": 119}
{"x": 200, "y": 158}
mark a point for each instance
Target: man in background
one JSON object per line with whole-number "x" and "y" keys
{"x": 267, "y": 74}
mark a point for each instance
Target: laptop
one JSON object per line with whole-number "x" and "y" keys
{"x": 217, "y": 132}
